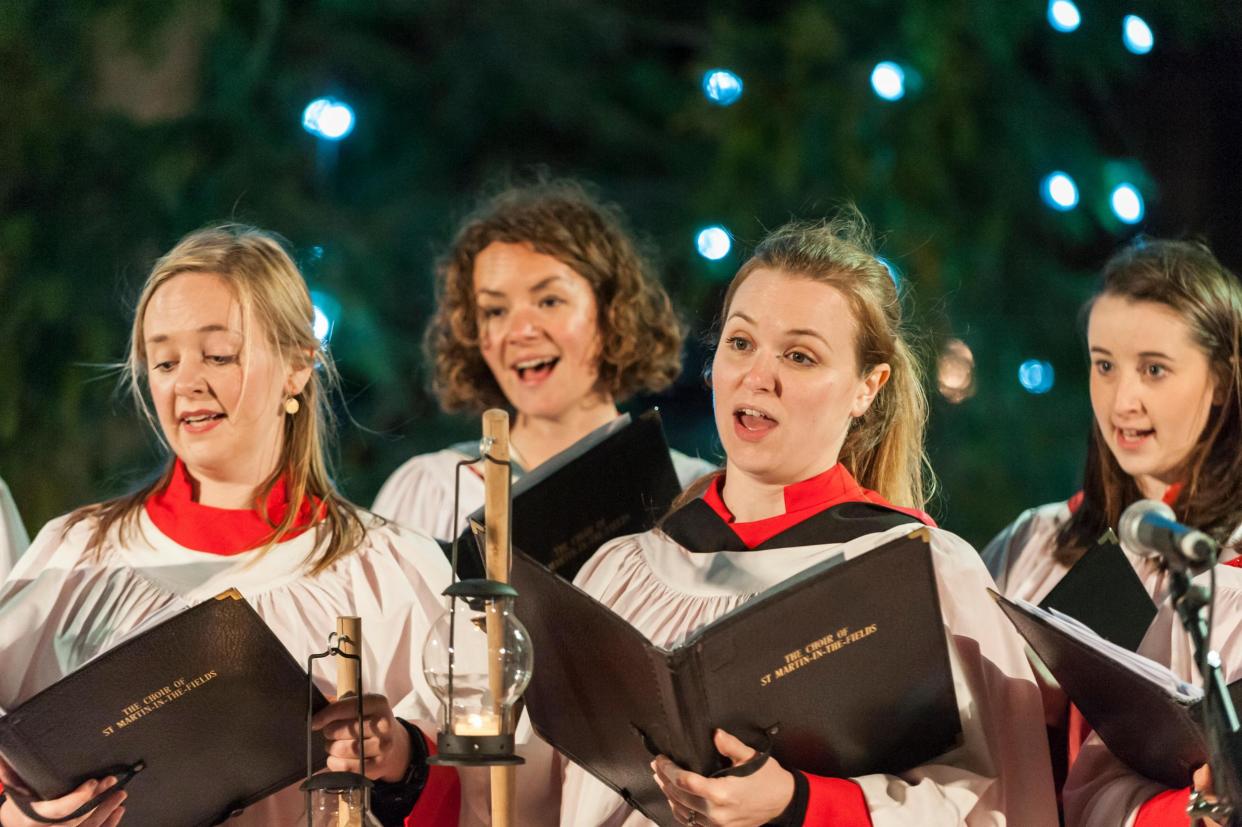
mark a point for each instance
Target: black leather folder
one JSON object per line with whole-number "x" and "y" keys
{"x": 1103, "y": 591}
{"x": 1152, "y": 730}
{"x": 209, "y": 701}
{"x": 843, "y": 669}
{"x": 617, "y": 480}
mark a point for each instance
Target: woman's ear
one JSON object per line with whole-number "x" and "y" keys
{"x": 868, "y": 388}
{"x": 299, "y": 373}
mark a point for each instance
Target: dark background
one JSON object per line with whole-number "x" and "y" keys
{"x": 125, "y": 125}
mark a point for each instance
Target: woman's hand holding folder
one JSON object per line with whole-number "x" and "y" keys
{"x": 732, "y": 801}
{"x": 107, "y": 814}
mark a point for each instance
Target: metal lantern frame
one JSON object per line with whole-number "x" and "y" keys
{"x": 475, "y": 750}
{"x": 334, "y": 781}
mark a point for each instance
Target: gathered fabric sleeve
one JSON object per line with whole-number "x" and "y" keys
{"x": 419, "y": 495}
{"x": 48, "y": 622}
{"x": 13, "y": 537}
{"x": 1006, "y": 548}
{"x": 1101, "y": 790}
{"x": 1020, "y": 558}
{"x": 1000, "y": 774}
{"x": 394, "y": 584}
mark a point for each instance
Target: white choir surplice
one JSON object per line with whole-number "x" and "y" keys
{"x": 1000, "y": 775}
{"x": 419, "y": 494}
{"x": 13, "y": 538}
{"x": 58, "y": 609}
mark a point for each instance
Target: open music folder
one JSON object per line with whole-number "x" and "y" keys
{"x": 209, "y": 702}
{"x": 842, "y": 668}
{"x": 1149, "y": 718}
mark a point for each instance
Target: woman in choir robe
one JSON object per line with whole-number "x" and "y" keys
{"x": 1166, "y": 385}
{"x": 1161, "y": 334}
{"x": 819, "y": 405}
{"x": 546, "y": 308}
{"x": 13, "y": 537}
{"x": 224, "y": 364}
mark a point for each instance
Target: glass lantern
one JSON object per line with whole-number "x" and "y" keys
{"x": 339, "y": 799}
{"x": 477, "y": 660}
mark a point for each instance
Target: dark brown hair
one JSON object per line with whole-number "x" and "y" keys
{"x": 1187, "y": 278}
{"x": 640, "y": 337}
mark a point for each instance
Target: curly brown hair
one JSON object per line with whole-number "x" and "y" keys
{"x": 640, "y": 335}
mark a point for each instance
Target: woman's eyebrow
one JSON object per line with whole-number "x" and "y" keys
{"x": 207, "y": 328}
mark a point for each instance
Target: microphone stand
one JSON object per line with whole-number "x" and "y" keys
{"x": 1224, "y": 735}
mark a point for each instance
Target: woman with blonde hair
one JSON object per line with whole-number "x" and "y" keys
{"x": 545, "y": 307}
{"x": 224, "y": 365}
{"x": 820, "y": 407}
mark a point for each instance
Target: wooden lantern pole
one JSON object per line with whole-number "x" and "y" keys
{"x": 496, "y": 481}
{"x": 349, "y": 641}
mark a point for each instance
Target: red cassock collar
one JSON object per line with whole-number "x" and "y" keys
{"x": 223, "y": 530}
{"x": 803, "y": 500}
{"x": 1170, "y": 496}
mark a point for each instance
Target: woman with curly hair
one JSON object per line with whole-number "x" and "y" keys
{"x": 545, "y": 307}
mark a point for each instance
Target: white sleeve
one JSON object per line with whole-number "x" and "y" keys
{"x": 1005, "y": 548}
{"x": 39, "y": 643}
{"x": 13, "y": 537}
{"x": 1100, "y": 789}
{"x": 419, "y": 495}
{"x": 1001, "y": 774}
{"x": 396, "y": 588}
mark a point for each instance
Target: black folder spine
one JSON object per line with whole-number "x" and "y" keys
{"x": 36, "y": 771}
{"x": 689, "y": 675}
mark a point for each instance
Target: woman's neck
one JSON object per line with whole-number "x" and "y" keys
{"x": 538, "y": 439}
{"x": 749, "y": 499}
{"x": 1151, "y": 488}
{"x": 226, "y": 491}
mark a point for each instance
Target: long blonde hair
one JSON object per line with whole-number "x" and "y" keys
{"x": 274, "y": 300}
{"x": 884, "y": 447}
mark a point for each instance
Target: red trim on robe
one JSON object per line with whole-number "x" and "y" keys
{"x": 802, "y": 500}
{"x": 225, "y": 531}
{"x": 1077, "y": 730}
{"x": 1166, "y": 809}
{"x": 835, "y": 802}
{"x": 1075, "y": 502}
{"x": 1170, "y": 496}
{"x": 439, "y": 805}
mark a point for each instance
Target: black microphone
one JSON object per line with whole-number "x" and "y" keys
{"x": 1148, "y": 527}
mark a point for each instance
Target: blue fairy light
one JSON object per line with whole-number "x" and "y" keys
{"x": 328, "y": 118}
{"x": 1059, "y": 191}
{"x": 722, "y": 87}
{"x": 1036, "y": 375}
{"x": 713, "y": 242}
{"x": 889, "y": 80}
